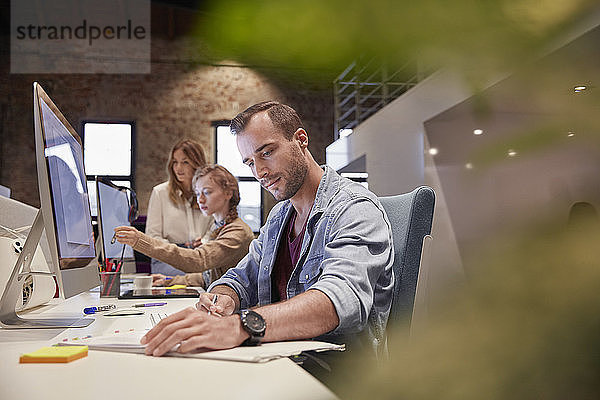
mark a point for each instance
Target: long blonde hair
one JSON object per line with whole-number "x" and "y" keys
{"x": 195, "y": 153}
{"x": 228, "y": 183}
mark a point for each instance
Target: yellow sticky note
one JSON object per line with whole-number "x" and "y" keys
{"x": 57, "y": 354}
{"x": 176, "y": 287}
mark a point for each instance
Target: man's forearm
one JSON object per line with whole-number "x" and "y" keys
{"x": 305, "y": 316}
{"x": 226, "y": 290}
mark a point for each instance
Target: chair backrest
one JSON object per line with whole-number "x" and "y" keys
{"x": 411, "y": 216}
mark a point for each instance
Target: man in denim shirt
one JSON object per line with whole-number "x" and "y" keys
{"x": 321, "y": 266}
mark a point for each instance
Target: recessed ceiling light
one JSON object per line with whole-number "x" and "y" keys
{"x": 579, "y": 88}
{"x": 433, "y": 151}
{"x": 571, "y": 134}
{"x": 469, "y": 165}
{"x": 477, "y": 131}
{"x": 511, "y": 153}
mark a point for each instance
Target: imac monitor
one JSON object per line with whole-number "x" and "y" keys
{"x": 113, "y": 210}
{"x": 64, "y": 216}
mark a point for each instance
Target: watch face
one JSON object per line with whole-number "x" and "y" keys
{"x": 254, "y": 322}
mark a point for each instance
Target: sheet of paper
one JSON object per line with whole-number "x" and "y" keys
{"x": 266, "y": 351}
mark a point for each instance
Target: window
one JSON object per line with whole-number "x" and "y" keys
{"x": 108, "y": 153}
{"x": 227, "y": 155}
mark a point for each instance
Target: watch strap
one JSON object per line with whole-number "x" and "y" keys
{"x": 251, "y": 341}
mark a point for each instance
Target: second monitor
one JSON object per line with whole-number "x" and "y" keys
{"x": 115, "y": 208}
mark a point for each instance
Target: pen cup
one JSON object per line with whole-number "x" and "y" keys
{"x": 110, "y": 284}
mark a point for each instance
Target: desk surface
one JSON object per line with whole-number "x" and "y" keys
{"x": 111, "y": 376}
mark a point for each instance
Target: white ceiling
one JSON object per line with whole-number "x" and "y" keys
{"x": 533, "y": 108}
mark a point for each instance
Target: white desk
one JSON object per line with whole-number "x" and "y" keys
{"x": 112, "y": 376}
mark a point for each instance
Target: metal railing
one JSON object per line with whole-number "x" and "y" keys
{"x": 366, "y": 87}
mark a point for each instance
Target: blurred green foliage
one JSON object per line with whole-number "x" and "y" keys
{"x": 312, "y": 35}
{"x": 526, "y": 327}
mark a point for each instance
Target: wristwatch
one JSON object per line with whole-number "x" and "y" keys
{"x": 255, "y": 325}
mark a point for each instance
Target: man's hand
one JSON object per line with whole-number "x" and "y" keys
{"x": 127, "y": 235}
{"x": 191, "y": 330}
{"x": 224, "y": 305}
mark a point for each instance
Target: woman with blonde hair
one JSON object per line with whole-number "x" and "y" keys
{"x": 218, "y": 195}
{"x": 173, "y": 214}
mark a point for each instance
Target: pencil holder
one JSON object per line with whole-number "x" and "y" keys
{"x": 110, "y": 284}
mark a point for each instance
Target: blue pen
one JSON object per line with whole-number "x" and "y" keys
{"x": 93, "y": 310}
{"x": 150, "y": 304}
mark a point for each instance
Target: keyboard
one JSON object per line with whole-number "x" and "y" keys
{"x": 156, "y": 317}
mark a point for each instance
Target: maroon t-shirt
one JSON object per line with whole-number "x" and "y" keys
{"x": 287, "y": 257}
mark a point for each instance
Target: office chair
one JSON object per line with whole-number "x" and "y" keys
{"x": 411, "y": 217}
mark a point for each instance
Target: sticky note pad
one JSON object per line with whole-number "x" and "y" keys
{"x": 58, "y": 354}
{"x": 176, "y": 287}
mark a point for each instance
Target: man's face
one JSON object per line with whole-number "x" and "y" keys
{"x": 276, "y": 162}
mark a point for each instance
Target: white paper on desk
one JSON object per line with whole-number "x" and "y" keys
{"x": 129, "y": 342}
{"x": 265, "y": 351}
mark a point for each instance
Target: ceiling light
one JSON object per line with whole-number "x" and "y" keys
{"x": 469, "y": 165}
{"x": 433, "y": 151}
{"x": 477, "y": 131}
{"x": 571, "y": 134}
{"x": 579, "y": 88}
{"x": 511, "y": 153}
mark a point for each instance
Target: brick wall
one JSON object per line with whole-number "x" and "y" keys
{"x": 177, "y": 99}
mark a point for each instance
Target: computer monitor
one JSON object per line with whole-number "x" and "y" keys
{"x": 4, "y": 191}
{"x": 114, "y": 209}
{"x": 64, "y": 216}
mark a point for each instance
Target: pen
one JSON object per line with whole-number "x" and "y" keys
{"x": 114, "y": 238}
{"x": 214, "y": 301}
{"x": 93, "y": 310}
{"x": 150, "y": 304}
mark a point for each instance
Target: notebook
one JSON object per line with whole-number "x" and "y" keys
{"x": 129, "y": 342}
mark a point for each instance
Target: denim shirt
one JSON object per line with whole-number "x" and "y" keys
{"x": 347, "y": 253}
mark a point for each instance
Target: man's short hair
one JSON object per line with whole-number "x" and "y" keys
{"x": 283, "y": 117}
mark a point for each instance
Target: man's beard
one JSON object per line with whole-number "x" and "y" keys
{"x": 294, "y": 181}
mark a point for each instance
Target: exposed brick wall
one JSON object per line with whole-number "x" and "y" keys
{"x": 176, "y": 99}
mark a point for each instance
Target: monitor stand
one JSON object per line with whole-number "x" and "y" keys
{"x": 14, "y": 286}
